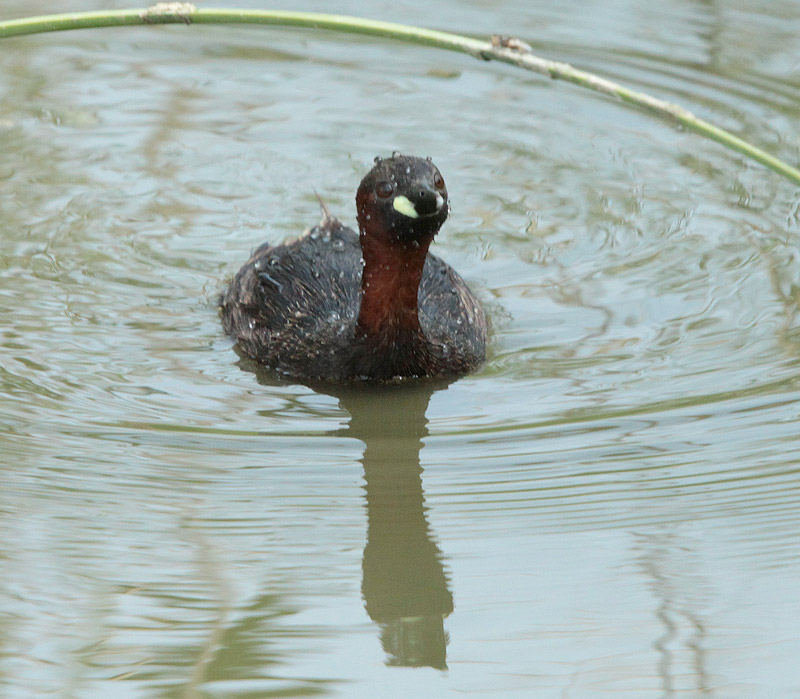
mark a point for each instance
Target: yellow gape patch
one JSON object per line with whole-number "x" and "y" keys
{"x": 405, "y": 207}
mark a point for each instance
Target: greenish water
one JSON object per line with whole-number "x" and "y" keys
{"x": 608, "y": 508}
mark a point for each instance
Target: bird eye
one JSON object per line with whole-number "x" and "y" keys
{"x": 438, "y": 182}
{"x": 384, "y": 189}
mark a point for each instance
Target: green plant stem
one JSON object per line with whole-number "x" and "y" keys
{"x": 184, "y": 13}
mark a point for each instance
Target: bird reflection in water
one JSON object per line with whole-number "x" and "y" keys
{"x": 406, "y": 591}
{"x": 404, "y": 584}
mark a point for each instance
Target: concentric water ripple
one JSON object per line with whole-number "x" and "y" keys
{"x": 610, "y": 505}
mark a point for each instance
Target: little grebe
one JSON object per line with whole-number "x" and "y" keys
{"x": 375, "y": 306}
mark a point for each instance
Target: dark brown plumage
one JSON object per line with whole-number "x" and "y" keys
{"x": 375, "y": 306}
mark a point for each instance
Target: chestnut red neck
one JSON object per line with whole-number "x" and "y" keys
{"x": 400, "y": 204}
{"x": 390, "y": 285}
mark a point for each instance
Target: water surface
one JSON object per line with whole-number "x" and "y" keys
{"x": 608, "y": 508}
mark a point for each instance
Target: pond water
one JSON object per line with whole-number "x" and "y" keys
{"x": 608, "y": 508}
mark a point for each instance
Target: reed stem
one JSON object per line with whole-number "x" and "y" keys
{"x": 514, "y": 53}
